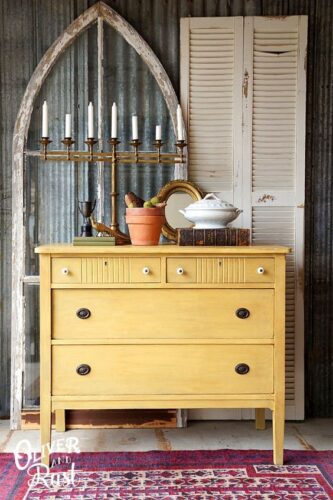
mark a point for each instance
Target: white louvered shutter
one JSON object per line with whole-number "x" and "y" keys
{"x": 274, "y": 165}
{"x": 268, "y": 156}
{"x": 211, "y": 82}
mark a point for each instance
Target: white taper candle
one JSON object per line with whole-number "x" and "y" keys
{"x": 90, "y": 121}
{"x": 135, "y": 134}
{"x": 180, "y": 126}
{"x": 68, "y": 125}
{"x": 45, "y": 120}
{"x": 158, "y": 134}
{"x": 114, "y": 121}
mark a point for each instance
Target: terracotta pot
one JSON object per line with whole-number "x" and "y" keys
{"x": 145, "y": 225}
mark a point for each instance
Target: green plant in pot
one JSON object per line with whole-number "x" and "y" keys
{"x": 145, "y": 219}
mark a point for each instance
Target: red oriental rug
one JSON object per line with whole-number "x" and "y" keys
{"x": 171, "y": 475}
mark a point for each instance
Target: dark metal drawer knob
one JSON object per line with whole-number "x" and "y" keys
{"x": 83, "y": 369}
{"x": 242, "y": 313}
{"x": 242, "y": 369}
{"x": 83, "y": 313}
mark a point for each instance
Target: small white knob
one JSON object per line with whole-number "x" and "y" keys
{"x": 180, "y": 270}
{"x": 146, "y": 270}
{"x": 65, "y": 271}
{"x": 260, "y": 270}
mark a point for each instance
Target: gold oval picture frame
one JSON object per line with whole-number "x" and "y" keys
{"x": 177, "y": 186}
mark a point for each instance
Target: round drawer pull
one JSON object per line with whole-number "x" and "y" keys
{"x": 65, "y": 271}
{"x": 180, "y": 271}
{"x": 83, "y": 369}
{"x": 260, "y": 270}
{"x": 242, "y": 369}
{"x": 83, "y": 313}
{"x": 146, "y": 270}
{"x": 242, "y": 313}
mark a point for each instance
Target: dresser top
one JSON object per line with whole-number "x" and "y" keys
{"x": 168, "y": 249}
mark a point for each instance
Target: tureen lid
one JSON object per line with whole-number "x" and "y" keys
{"x": 210, "y": 201}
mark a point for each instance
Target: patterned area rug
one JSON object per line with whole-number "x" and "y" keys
{"x": 172, "y": 475}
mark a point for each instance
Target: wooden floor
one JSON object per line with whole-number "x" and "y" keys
{"x": 314, "y": 434}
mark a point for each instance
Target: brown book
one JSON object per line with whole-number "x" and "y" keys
{"x": 230, "y": 236}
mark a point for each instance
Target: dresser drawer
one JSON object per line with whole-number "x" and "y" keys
{"x": 181, "y": 270}
{"x": 102, "y": 270}
{"x": 161, "y": 369}
{"x": 66, "y": 270}
{"x": 145, "y": 270}
{"x": 162, "y": 313}
{"x": 259, "y": 270}
{"x": 224, "y": 270}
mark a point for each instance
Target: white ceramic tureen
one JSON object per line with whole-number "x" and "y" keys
{"x": 211, "y": 212}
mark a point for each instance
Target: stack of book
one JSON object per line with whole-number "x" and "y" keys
{"x": 230, "y": 236}
{"x": 94, "y": 241}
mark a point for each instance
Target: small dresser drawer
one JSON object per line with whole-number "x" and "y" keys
{"x": 259, "y": 270}
{"x": 145, "y": 270}
{"x": 66, "y": 270}
{"x": 161, "y": 369}
{"x": 181, "y": 270}
{"x": 103, "y": 270}
{"x": 162, "y": 314}
{"x": 224, "y": 270}
{"x": 120, "y": 270}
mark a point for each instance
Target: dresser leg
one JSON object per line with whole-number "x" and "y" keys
{"x": 278, "y": 435}
{"x": 60, "y": 420}
{"x": 260, "y": 419}
{"x": 45, "y": 431}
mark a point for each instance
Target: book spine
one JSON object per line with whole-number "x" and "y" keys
{"x": 199, "y": 237}
{"x": 214, "y": 237}
{"x": 244, "y": 237}
{"x": 79, "y": 244}
{"x": 185, "y": 237}
{"x": 93, "y": 240}
{"x": 210, "y": 237}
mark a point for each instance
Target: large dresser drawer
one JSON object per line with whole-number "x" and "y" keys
{"x": 161, "y": 369}
{"x": 162, "y": 313}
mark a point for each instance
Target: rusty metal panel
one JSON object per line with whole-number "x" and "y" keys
{"x": 319, "y": 202}
{"x": 319, "y": 215}
{"x": 16, "y": 65}
{"x": 26, "y": 31}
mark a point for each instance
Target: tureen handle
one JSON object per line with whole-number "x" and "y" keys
{"x": 211, "y": 195}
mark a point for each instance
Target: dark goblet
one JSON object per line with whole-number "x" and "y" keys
{"x": 86, "y": 209}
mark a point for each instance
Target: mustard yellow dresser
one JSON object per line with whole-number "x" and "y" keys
{"x": 162, "y": 327}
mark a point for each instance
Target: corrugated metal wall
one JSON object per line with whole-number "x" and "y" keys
{"x": 28, "y": 27}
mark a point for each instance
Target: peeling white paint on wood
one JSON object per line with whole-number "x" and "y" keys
{"x": 100, "y": 118}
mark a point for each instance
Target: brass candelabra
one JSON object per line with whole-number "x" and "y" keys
{"x": 114, "y": 157}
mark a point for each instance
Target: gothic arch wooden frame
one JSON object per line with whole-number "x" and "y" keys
{"x": 100, "y": 12}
